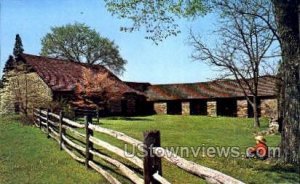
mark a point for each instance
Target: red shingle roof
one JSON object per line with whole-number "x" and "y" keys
{"x": 63, "y": 75}
{"x": 206, "y": 90}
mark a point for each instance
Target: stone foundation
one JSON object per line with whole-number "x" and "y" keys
{"x": 268, "y": 108}
{"x": 185, "y": 106}
{"x": 212, "y": 108}
{"x": 160, "y": 107}
{"x": 242, "y": 108}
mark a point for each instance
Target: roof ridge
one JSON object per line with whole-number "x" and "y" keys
{"x": 212, "y": 81}
{"x": 37, "y": 62}
{"x": 65, "y": 60}
{"x": 47, "y": 57}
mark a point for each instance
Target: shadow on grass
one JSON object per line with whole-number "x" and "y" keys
{"x": 286, "y": 171}
{"x": 110, "y": 170}
{"x": 129, "y": 118}
{"x": 113, "y": 170}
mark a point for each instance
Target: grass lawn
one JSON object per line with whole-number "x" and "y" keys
{"x": 195, "y": 131}
{"x": 27, "y": 156}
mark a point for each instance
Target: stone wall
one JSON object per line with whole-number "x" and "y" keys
{"x": 211, "y": 108}
{"x": 242, "y": 108}
{"x": 160, "y": 107}
{"x": 185, "y": 108}
{"x": 24, "y": 88}
{"x": 268, "y": 108}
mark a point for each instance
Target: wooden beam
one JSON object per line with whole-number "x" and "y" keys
{"x": 76, "y": 133}
{"x": 89, "y": 144}
{"x": 74, "y": 145}
{"x": 73, "y": 123}
{"x": 210, "y": 175}
{"x": 72, "y": 154}
{"x": 54, "y": 132}
{"x": 39, "y": 116}
{"x": 53, "y": 123}
{"x": 159, "y": 178}
{"x": 152, "y": 163}
{"x": 104, "y": 173}
{"x": 118, "y": 135}
{"x": 134, "y": 159}
{"x": 47, "y": 123}
{"x": 124, "y": 169}
{"x": 61, "y": 130}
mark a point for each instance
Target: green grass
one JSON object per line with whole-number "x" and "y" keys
{"x": 27, "y": 156}
{"x": 195, "y": 131}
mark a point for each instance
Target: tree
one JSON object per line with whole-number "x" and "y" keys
{"x": 285, "y": 27}
{"x": 1, "y": 83}
{"x": 79, "y": 43}
{"x": 242, "y": 50}
{"x": 9, "y": 65}
{"x": 93, "y": 90}
{"x": 158, "y": 17}
{"x": 6, "y": 95}
{"x": 18, "y": 49}
{"x": 288, "y": 21}
{"x": 287, "y": 33}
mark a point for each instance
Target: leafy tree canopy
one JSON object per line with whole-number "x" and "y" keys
{"x": 1, "y": 83}
{"x": 80, "y": 43}
{"x": 7, "y": 67}
{"x": 18, "y": 49}
{"x": 158, "y": 17}
{"x": 9, "y": 64}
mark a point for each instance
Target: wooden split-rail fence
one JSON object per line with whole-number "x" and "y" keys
{"x": 79, "y": 144}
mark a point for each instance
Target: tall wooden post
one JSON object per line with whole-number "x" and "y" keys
{"x": 40, "y": 119}
{"x": 33, "y": 116}
{"x": 98, "y": 115}
{"x": 61, "y": 131}
{"x": 89, "y": 144}
{"x": 47, "y": 122}
{"x": 152, "y": 163}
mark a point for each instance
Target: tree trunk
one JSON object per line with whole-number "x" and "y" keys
{"x": 26, "y": 91}
{"x": 255, "y": 112}
{"x": 255, "y": 94}
{"x": 287, "y": 18}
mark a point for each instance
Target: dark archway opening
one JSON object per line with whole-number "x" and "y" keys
{"x": 174, "y": 107}
{"x": 198, "y": 107}
{"x": 227, "y": 107}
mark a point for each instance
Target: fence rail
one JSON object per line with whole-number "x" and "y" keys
{"x": 80, "y": 146}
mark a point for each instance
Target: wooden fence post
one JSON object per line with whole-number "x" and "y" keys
{"x": 40, "y": 119}
{"x": 89, "y": 144}
{"x": 98, "y": 115}
{"x": 61, "y": 131}
{"x": 33, "y": 116}
{"x": 47, "y": 122}
{"x": 152, "y": 163}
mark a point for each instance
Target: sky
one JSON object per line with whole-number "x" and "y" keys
{"x": 168, "y": 62}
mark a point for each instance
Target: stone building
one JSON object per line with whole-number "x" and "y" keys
{"x": 214, "y": 98}
{"x": 82, "y": 86}
{"x": 62, "y": 80}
